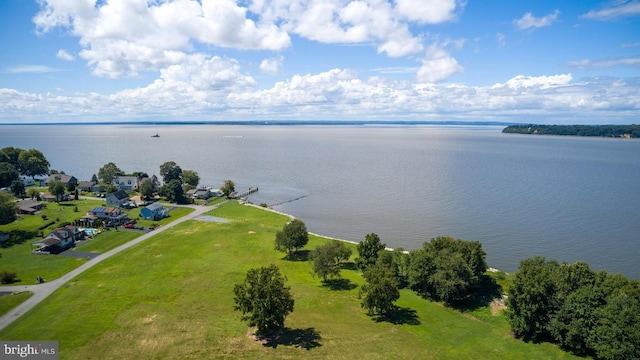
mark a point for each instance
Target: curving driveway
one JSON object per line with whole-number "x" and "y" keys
{"x": 41, "y": 291}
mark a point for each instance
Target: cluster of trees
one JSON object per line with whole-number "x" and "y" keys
{"x": 632, "y": 131}
{"x": 445, "y": 269}
{"x": 585, "y": 312}
{"x": 15, "y": 162}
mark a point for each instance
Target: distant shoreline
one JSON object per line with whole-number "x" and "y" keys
{"x": 607, "y": 131}
{"x": 274, "y": 123}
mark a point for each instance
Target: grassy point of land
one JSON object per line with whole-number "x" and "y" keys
{"x": 172, "y": 298}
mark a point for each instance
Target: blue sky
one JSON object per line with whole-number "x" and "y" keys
{"x": 560, "y": 62}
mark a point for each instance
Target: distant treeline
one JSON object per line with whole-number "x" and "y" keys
{"x": 624, "y": 131}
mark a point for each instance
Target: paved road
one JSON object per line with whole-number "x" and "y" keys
{"x": 41, "y": 291}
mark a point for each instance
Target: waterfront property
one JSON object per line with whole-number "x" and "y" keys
{"x": 58, "y": 240}
{"x": 108, "y": 216}
{"x": 126, "y": 182}
{"x": 63, "y": 178}
{"x": 199, "y": 193}
{"x": 117, "y": 198}
{"x": 153, "y": 211}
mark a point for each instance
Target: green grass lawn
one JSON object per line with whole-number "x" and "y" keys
{"x": 171, "y": 297}
{"x": 8, "y": 302}
{"x": 17, "y": 257}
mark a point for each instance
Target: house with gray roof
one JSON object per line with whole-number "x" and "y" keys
{"x": 117, "y": 198}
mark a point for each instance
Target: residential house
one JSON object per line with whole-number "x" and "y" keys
{"x": 63, "y": 178}
{"x": 27, "y": 181}
{"x": 126, "y": 182}
{"x": 108, "y": 216}
{"x": 154, "y": 180}
{"x": 49, "y": 197}
{"x": 90, "y": 186}
{"x": 97, "y": 188}
{"x": 29, "y": 206}
{"x": 153, "y": 211}
{"x": 85, "y": 185}
{"x": 117, "y": 198}
{"x": 216, "y": 192}
{"x": 199, "y": 193}
{"x": 59, "y": 240}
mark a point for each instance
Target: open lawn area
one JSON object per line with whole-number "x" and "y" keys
{"x": 171, "y": 297}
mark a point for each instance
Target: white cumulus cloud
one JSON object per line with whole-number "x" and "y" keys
{"x": 437, "y": 66}
{"x": 528, "y": 21}
{"x": 429, "y": 11}
{"x": 271, "y": 66}
{"x": 64, "y": 55}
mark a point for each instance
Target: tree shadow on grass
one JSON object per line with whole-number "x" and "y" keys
{"x": 348, "y": 266}
{"x": 339, "y": 284}
{"x": 306, "y": 339}
{"x": 300, "y": 255}
{"x": 399, "y": 316}
{"x": 18, "y": 237}
{"x": 487, "y": 291}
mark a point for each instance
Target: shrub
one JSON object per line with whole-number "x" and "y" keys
{"x": 8, "y": 277}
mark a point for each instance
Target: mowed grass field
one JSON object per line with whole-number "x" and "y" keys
{"x": 171, "y": 298}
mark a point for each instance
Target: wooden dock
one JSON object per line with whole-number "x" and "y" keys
{"x": 238, "y": 195}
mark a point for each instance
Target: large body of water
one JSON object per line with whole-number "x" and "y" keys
{"x": 568, "y": 198}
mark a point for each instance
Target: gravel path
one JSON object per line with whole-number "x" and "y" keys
{"x": 41, "y": 291}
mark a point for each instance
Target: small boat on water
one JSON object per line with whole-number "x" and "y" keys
{"x": 156, "y": 135}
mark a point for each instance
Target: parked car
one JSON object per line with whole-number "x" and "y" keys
{"x": 129, "y": 226}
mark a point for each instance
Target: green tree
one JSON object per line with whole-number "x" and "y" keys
{"x": 8, "y": 174}
{"x": 398, "y": 261}
{"x": 109, "y": 188}
{"x": 33, "y": 193}
{"x": 11, "y": 155}
{"x": 57, "y": 188}
{"x": 327, "y": 259}
{"x": 530, "y": 298}
{"x": 263, "y": 299}
{"x": 381, "y": 290}
{"x": 108, "y": 172}
{"x": 17, "y": 188}
{"x": 368, "y": 250}
{"x": 32, "y": 162}
{"x": 191, "y": 177}
{"x": 453, "y": 279}
{"x": 173, "y": 191}
{"x": 572, "y": 325}
{"x": 146, "y": 190}
{"x": 228, "y": 188}
{"x": 170, "y": 171}
{"x": 421, "y": 268}
{"x": 447, "y": 269}
{"x": 94, "y": 179}
{"x": 616, "y": 334}
{"x": 7, "y": 208}
{"x": 293, "y": 236}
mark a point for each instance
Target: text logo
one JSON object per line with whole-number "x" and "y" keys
{"x": 44, "y": 350}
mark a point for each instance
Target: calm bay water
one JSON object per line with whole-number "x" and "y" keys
{"x": 566, "y": 198}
